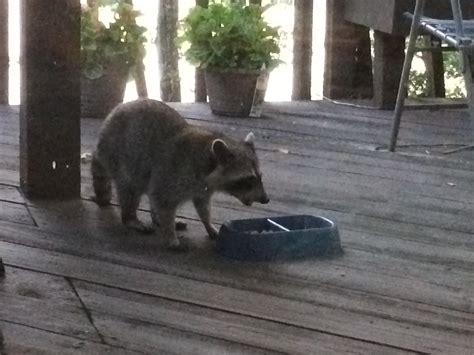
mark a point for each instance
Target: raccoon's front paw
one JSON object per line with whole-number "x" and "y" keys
{"x": 178, "y": 246}
{"x": 139, "y": 226}
{"x": 212, "y": 233}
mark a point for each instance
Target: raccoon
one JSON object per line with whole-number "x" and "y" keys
{"x": 146, "y": 147}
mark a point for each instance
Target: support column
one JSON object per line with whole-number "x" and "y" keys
{"x": 302, "y": 50}
{"x": 348, "y": 65}
{"x": 389, "y": 54}
{"x": 50, "y": 99}
{"x": 434, "y": 66}
{"x": 4, "y": 56}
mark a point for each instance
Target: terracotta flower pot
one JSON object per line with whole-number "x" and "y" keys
{"x": 231, "y": 92}
{"x": 100, "y": 96}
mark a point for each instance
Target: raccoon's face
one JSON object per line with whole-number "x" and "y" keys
{"x": 238, "y": 172}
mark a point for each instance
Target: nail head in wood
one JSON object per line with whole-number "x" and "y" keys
{"x": 2, "y": 270}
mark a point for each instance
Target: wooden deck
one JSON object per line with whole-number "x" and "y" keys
{"x": 77, "y": 282}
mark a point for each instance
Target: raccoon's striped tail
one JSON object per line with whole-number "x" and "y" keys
{"x": 101, "y": 182}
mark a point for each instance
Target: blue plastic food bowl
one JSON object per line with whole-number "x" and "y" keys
{"x": 285, "y": 237}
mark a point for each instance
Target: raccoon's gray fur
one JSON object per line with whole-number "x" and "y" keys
{"x": 146, "y": 147}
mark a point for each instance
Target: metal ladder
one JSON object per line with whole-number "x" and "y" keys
{"x": 457, "y": 33}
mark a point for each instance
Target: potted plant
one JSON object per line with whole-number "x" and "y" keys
{"x": 233, "y": 44}
{"x": 109, "y": 52}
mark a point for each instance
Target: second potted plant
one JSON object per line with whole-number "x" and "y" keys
{"x": 109, "y": 53}
{"x": 234, "y": 45}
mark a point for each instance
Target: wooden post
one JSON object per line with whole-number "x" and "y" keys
{"x": 139, "y": 73}
{"x": 348, "y": 65}
{"x": 389, "y": 54}
{"x": 170, "y": 87}
{"x": 200, "y": 90}
{"x": 4, "y": 56}
{"x": 50, "y": 99}
{"x": 434, "y": 67}
{"x": 302, "y": 50}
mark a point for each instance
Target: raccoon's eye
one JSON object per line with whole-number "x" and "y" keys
{"x": 245, "y": 183}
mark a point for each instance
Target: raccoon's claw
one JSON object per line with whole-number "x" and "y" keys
{"x": 139, "y": 226}
{"x": 212, "y": 232}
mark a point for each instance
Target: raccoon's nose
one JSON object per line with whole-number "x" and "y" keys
{"x": 264, "y": 200}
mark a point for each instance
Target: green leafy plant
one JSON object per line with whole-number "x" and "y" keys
{"x": 120, "y": 41}
{"x": 229, "y": 35}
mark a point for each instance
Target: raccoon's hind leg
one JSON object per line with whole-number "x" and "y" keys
{"x": 203, "y": 208}
{"x": 129, "y": 199}
{"x": 101, "y": 182}
{"x": 167, "y": 217}
{"x": 178, "y": 225}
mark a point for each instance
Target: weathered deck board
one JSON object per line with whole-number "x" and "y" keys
{"x": 262, "y": 306}
{"x": 407, "y": 258}
{"x": 233, "y": 327}
{"x": 20, "y": 339}
{"x": 403, "y": 285}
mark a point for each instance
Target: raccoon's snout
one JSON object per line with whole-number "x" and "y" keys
{"x": 264, "y": 200}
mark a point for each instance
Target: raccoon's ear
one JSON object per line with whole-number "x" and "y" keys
{"x": 221, "y": 151}
{"x": 250, "y": 140}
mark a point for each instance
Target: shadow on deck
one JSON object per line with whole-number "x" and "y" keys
{"x": 76, "y": 281}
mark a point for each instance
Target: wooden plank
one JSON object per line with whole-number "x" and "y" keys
{"x": 50, "y": 111}
{"x": 297, "y": 313}
{"x": 26, "y": 283}
{"x": 14, "y": 212}
{"x": 10, "y": 177}
{"x": 150, "y": 338}
{"x": 10, "y": 193}
{"x": 416, "y": 266}
{"x": 43, "y": 314}
{"x": 21, "y": 339}
{"x": 220, "y": 325}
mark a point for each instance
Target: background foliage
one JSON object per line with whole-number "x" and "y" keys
{"x": 418, "y": 80}
{"x": 121, "y": 40}
{"x": 229, "y": 35}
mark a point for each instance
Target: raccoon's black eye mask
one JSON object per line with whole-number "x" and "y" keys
{"x": 246, "y": 183}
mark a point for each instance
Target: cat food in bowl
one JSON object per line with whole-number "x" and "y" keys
{"x": 284, "y": 237}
